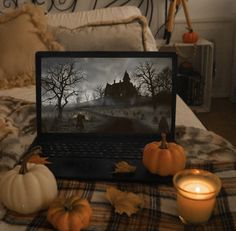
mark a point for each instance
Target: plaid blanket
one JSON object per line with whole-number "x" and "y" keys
{"x": 204, "y": 150}
{"x": 159, "y": 212}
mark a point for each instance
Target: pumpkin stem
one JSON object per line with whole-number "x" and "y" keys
{"x": 164, "y": 144}
{"x": 68, "y": 206}
{"x": 26, "y": 157}
{"x": 190, "y": 29}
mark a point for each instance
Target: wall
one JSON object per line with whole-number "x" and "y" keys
{"x": 208, "y": 9}
{"x": 233, "y": 91}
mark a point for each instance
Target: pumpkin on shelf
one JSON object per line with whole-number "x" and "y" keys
{"x": 164, "y": 158}
{"x": 28, "y": 188}
{"x": 190, "y": 36}
{"x": 71, "y": 213}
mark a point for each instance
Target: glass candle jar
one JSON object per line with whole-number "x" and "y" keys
{"x": 196, "y": 194}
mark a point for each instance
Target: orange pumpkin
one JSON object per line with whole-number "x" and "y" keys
{"x": 164, "y": 158}
{"x": 190, "y": 37}
{"x": 71, "y": 213}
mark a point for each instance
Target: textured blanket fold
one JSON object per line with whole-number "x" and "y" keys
{"x": 204, "y": 150}
{"x": 17, "y": 129}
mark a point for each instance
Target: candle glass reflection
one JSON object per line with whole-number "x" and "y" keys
{"x": 196, "y": 194}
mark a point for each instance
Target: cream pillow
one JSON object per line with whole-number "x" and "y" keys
{"x": 23, "y": 32}
{"x": 109, "y": 29}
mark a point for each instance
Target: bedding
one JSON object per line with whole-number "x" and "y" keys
{"x": 103, "y": 30}
{"x": 117, "y": 29}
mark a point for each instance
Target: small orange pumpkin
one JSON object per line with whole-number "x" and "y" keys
{"x": 164, "y": 158}
{"x": 71, "y": 213}
{"x": 190, "y": 37}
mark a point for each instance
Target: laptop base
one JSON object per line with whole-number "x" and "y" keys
{"x": 84, "y": 169}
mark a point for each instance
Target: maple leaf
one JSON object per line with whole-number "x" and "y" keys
{"x": 37, "y": 159}
{"x": 124, "y": 202}
{"x": 124, "y": 167}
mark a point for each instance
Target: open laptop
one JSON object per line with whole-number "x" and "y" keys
{"x": 95, "y": 109}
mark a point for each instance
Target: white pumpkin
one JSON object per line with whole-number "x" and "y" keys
{"x": 28, "y": 189}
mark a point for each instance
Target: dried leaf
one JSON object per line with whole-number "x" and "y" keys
{"x": 37, "y": 159}
{"x": 124, "y": 202}
{"x": 124, "y": 167}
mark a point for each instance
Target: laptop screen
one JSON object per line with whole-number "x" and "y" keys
{"x": 106, "y": 92}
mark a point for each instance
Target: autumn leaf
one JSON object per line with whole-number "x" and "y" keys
{"x": 35, "y": 155}
{"x": 37, "y": 159}
{"x": 124, "y": 202}
{"x": 124, "y": 167}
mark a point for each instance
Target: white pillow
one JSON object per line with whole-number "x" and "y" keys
{"x": 119, "y": 29}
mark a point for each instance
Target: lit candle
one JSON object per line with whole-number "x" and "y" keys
{"x": 196, "y": 194}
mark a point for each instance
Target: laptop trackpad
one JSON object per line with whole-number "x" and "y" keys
{"x": 101, "y": 169}
{"x": 82, "y": 168}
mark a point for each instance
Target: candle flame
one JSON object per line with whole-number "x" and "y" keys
{"x": 197, "y": 189}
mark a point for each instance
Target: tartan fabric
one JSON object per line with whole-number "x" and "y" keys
{"x": 159, "y": 212}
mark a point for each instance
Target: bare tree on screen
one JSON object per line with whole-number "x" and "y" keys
{"x": 151, "y": 80}
{"x": 145, "y": 76}
{"x": 60, "y": 83}
{"x": 165, "y": 79}
{"x": 99, "y": 91}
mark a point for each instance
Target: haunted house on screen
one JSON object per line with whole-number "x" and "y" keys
{"x": 120, "y": 93}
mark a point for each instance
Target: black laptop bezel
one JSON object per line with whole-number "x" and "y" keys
{"x": 102, "y": 54}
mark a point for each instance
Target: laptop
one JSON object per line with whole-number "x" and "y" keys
{"x": 95, "y": 109}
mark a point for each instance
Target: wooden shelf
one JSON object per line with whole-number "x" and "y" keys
{"x": 201, "y": 55}
{"x": 201, "y": 42}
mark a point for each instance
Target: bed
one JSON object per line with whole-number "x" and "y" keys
{"x": 17, "y": 112}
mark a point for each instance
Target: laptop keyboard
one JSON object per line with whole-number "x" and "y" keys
{"x": 117, "y": 150}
